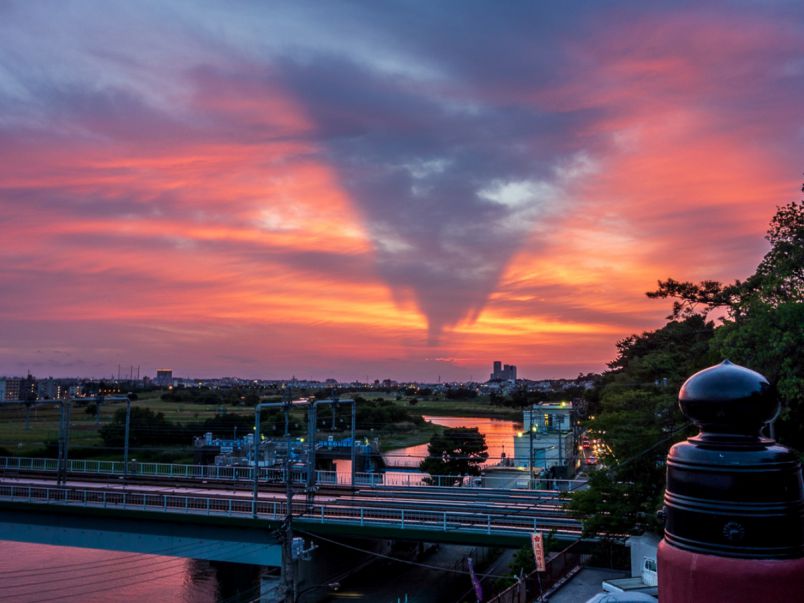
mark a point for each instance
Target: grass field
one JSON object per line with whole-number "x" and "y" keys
{"x": 471, "y": 407}
{"x": 420, "y": 435}
{"x": 44, "y": 420}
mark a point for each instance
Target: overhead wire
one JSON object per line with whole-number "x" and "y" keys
{"x": 117, "y": 586}
{"x": 150, "y": 573}
{"x": 389, "y": 557}
{"x": 436, "y": 568}
{"x": 132, "y": 557}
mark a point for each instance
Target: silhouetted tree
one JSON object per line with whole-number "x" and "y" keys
{"x": 456, "y": 451}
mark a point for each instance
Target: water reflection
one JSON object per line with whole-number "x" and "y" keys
{"x": 42, "y": 573}
{"x": 499, "y": 434}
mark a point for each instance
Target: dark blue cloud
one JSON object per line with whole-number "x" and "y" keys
{"x": 448, "y": 187}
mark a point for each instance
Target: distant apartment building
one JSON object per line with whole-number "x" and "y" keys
{"x": 50, "y": 389}
{"x": 2, "y": 389}
{"x": 501, "y": 372}
{"x": 20, "y": 388}
{"x": 12, "y": 389}
{"x": 28, "y": 388}
{"x": 164, "y": 377}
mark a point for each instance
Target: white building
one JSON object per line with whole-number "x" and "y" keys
{"x": 549, "y": 433}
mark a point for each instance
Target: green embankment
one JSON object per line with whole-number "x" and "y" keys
{"x": 469, "y": 407}
{"x": 44, "y": 421}
{"x": 419, "y": 435}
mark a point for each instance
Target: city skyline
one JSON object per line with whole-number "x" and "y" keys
{"x": 349, "y": 190}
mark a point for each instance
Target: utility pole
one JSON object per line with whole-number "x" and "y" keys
{"x": 99, "y": 399}
{"x": 65, "y": 408}
{"x": 312, "y": 427}
{"x": 68, "y": 407}
{"x": 129, "y": 399}
{"x": 530, "y": 449}
{"x": 61, "y": 442}
{"x": 60, "y": 475}
{"x": 255, "y": 449}
{"x": 285, "y": 532}
{"x": 560, "y": 420}
{"x": 28, "y": 404}
{"x": 354, "y": 444}
{"x": 288, "y": 564}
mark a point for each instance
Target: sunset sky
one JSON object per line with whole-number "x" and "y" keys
{"x": 379, "y": 189}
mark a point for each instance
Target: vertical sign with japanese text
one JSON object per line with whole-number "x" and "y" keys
{"x": 538, "y": 550}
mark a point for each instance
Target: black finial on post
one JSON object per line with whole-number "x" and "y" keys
{"x": 729, "y": 403}
{"x": 731, "y": 492}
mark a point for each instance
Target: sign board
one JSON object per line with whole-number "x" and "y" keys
{"x": 538, "y": 550}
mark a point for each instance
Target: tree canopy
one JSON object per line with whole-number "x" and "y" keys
{"x": 762, "y": 327}
{"x": 639, "y": 420}
{"x": 764, "y": 324}
{"x": 456, "y": 451}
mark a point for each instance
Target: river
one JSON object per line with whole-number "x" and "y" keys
{"x": 37, "y": 573}
{"x": 499, "y": 434}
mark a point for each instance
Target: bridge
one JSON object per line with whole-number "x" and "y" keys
{"x": 221, "y": 509}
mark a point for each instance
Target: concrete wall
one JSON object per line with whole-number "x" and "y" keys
{"x": 641, "y": 547}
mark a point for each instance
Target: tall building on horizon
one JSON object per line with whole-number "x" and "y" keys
{"x": 502, "y": 372}
{"x": 164, "y": 377}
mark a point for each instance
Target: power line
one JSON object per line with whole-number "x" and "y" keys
{"x": 390, "y": 558}
{"x": 124, "y": 558}
{"x": 150, "y": 573}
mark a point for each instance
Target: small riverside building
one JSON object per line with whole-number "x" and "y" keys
{"x": 549, "y": 431}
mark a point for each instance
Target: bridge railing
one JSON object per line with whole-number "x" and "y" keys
{"x": 333, "y": 513}
{"x": 266, "y": 474}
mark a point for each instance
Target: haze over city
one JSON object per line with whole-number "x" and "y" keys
{"x": 358, "y": 190}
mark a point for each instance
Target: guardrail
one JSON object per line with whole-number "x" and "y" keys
{"x": 246, "y": 474}
{"x": 183, "y": 471}
{"x": 391, "y": 518}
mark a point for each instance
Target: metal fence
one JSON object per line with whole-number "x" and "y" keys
{"x": 346, "y": 514}
{"x": 535, "y": 584}
{"x": 10, "y": 464}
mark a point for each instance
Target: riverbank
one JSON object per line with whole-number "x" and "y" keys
{"x": 479, "y": 406}
{"x": 463, "y": 408}
{"x": 415, "y": 437}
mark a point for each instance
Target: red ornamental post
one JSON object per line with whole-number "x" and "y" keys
{"x": 734, "y": 504}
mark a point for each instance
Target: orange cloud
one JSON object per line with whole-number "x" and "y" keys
{"x": 222, "y": 229}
